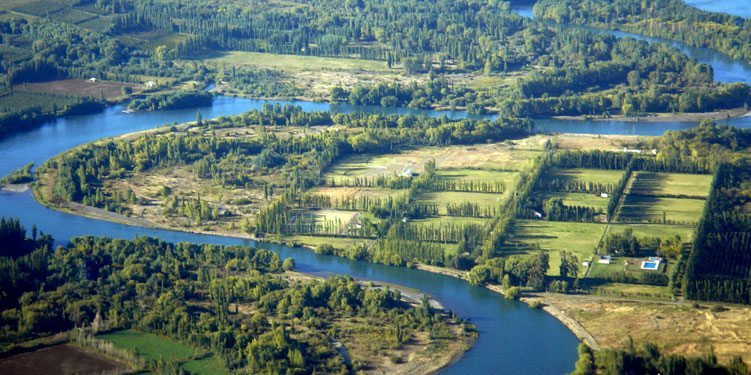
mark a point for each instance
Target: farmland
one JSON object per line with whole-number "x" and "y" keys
{"x": 650, "y": 209}
{"x": 152, "y": 348}
{"x": 110, "y": 91}
{"x": 60, "y": 359}
{"x": 580, "y": 239}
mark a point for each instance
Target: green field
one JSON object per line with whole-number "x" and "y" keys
{"x": 582, "y": 199}
{"x": 671, "y": 184}
{"x": 149, "y": 346}
{"x": 686, "y": 232}
{"x": 209, "y": 365}
{"x": 443, "y": 198}
{"x": 577, "y": 238}
{"x": 602, "y": 176}
{"x": 618, "y": 265}
{"x": 641, "y": 208}
{"x": 152, "y": 347}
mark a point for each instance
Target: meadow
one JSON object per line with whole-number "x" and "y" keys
{"x": 580, "y": 239}
{"x": 153, "y": 347}
{"x": 670, "y": 184}
{"x": 651, "y": 209}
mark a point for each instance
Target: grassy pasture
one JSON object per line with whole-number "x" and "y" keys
{"x": 42, "y": 7}
{"x": 73, "y": 16}
{"x": 577, "y": 238}
{"x": 582, "y": 199}
{"x": 99, "y": 24}
{"x": 152, "y": 347}
{"x": 641, "y": 208}
{"x": 618, "y": 264}
{"x": 686, "y": 232}
{"x": 602, "y": 176}
{"x": 149, "y": 346}
{"x": 322, "y": 216}
{"x": 673, "y": 184}
{"x": 443, "y": 198}
{"x": 209, "y": 366}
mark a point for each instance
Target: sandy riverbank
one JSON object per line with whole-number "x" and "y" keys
{"x": 665, "y": 117}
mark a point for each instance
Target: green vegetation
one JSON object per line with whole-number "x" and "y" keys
{"x": 150, "y": 346}
{"x": 175, "y": 100}
{"x": 160, "y": 307}
{"x": 669, "y": 19}
{"x": 21, "y": 176}
{"x": 648, "y": 359}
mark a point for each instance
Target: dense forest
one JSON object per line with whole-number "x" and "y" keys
{"x": 669, "y": 19}
{"x": 193, "y": 294}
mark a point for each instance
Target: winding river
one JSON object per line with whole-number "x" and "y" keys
{"x": 513, "y": 338}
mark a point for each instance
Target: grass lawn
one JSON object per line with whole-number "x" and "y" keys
{"x": 618, "y": 265}
{"x": 686, "y": 232}
{"x": 693, "y": 185}
{"x": 602, "y": 176}
{"x": 209, "y": 365}
{"x": 582, "y": 199}
{"x": 150, "y": 346}
{"x": 443, "y": 198}
{"x": 641, "y": 208}
{"x": 577, "y": 238}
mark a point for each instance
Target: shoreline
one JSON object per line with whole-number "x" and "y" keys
{"x": 571, "y": 324}
{"x": 725, "y": 114}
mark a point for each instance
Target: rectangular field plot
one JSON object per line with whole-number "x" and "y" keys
{"x": 600, "y": 176}
{"x": 497, "y": 156}
{"x": 462, "y": 177}
{"x": 670, "y": 184}
{"x": 449, "y": 202}
{"x": 316, "y": 241}
{"x": 577, "y": 238}
{"x": 342, "y": 194}
{"x": 150, "y": 346}
{"x": 332, "y": 216}
{"x": 618, "y": 265}
{"x": 649, "y": 209}
{"x": 686, "y": 232}
{"x": 582, "y": 199}
{"x": 443, "y": 221}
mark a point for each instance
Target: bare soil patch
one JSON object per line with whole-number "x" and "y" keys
{"x": 61, "y": 359}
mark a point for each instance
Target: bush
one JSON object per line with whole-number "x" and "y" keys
{"x": 512, "y": 293}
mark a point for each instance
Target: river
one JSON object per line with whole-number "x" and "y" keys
{"x": 513, "y": 338}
